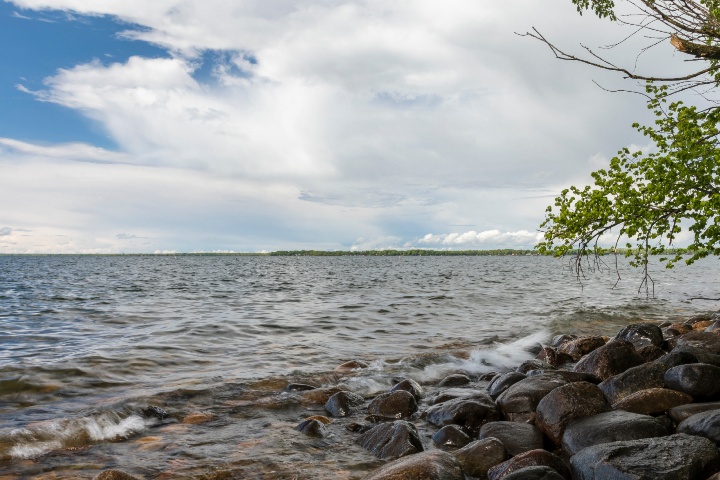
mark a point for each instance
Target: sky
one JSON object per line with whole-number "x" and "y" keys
{"x": 129, "y": 126}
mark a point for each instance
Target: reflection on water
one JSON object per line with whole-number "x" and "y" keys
{"x": 94, "y": 347}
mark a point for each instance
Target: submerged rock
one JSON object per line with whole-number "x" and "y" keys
{"x": 350, "y": 366}
{"x": 432, "y": 465}
{"x": 310, "y": 427}
{"x": 392, "y": 440}
{"x": 114, "y": 475}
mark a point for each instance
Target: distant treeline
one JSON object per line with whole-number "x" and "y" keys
{"x": 399, "y": 253}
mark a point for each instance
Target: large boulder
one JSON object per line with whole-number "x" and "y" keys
{"x": 567, "y": 403}
{"x": 609, "y": 427}
{"x": 469, "y": 413}
{"x": 704, "y": 424}
{"x": 652, "y": 401}
{"x": 641, "y": 335}
{"x": 648, "y": 375}
{"x": 611, "y": 359}
{"x": 517, "y": 437}
{"x": 392, "y": 440}
{"x": 696, "y": 379}
{"x": 519, "y": 402}
{"x": 431, "y": 465}
{"x": 676, "y": 457}
{"x": 533, "y": 458}
{"x": 478, "y": 457}
{"x": 397, "y": 404}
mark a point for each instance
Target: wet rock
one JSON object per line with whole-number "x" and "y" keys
{"x": 534, "y": 473}
{"x": 409, "y": 386}
{"x": 551, "y": 356}
{"x": 194, "y": 418}
{"x": 652, "y": 401}
{"x": 678, "y": 414}
{"x": 319, "y": 396}
{"x": 704, "y": 424}
{"x": 567, "y": 403}
{"x": 432, "y": 465}
{"x": 611, "y": 359}
{"x": 569, "y": 376}
{"x": 503, "y": 382}
{"x": 611, "y": 427}
{"x": 298, "y": 387}
{"x": 517, "y": 437}
{"x": 674, "y": 331}
{"x": 703, "y": 355}
{"x": 642, "y": 377}
{"x": 673, "y": 359}
{"x": 701, "y": 317}
{"x": 713, "y": 327}
{"x": 455, "y": 380}
{"x": 676, "y": 457}
{"x": 533, "y": 458}
{"x": 558, "y": 340}
{"x": 310, "y": 427}
{"x": 154, "y": 412}
{"x": 468, "y": 413}
{"x": 350, "y": 366}
{"x": 114, "y": 475}
{"x": 528, "y": 365}
{"x": 453, "y": 393}
{"x": 343, "y": 403}
{"x": 450, "y": 436}
{"x": 518, "y": 403}
{"x": 392, "y": 440}
{"x": 398, "y": 404}
{"x": 696, "y": 379}
{"x": 579, "y": 347}
{"x": 707, "y": 340}
{"x": 702, "y": 326}
{"x": 478, "y": 457}
{"x": 650, "y": 353}
{"x": 641, "y": 335}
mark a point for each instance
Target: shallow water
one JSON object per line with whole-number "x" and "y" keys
{"x": 90, "y": 342}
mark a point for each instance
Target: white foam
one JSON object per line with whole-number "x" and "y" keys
{"x": 105, "y": 427}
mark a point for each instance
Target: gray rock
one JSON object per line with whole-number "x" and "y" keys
{"x": 533, "y": 458}
{"x": 528, "y": 365}
{"x": 453, "y": 393}
{"x": 478, "y": 457}
{"x": 392, "y": 440}
{"x": 503, "y": 382}
{"x": 450, "y": 436}
{"x": 677, "y": 457}
{"x": 311, "y": 427}
{"x": 518, "y": 403}
{"x": 432, "y": 465}
{"x": 696, "y": 379}
{"x": 397, "y": 404}
{"x": 641, "y": 335}
{"x": 454, "y": 380}
{"x": 468, "y": 413}
{"x": 704, "y": 424}
{"x": 343, "y": 404}
{"x": 707, "y": 340}
{"x": 648, "y": 375}
{"x": 673, "y": 359}
{"x": 579, "y": 347}
{"x": 517, "y": 437}
{"x": 409, "y": 386}
{"x": 678, "y": 414}
{"x": 611, "y": 359}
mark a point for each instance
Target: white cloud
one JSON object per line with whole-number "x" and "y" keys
{"x": 485, "y": 239}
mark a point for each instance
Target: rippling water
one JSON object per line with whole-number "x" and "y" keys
{"x": 90, "y": 343}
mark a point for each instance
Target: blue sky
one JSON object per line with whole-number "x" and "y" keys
{"x": 130, "y": 126}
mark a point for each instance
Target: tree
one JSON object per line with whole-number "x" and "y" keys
{"x": 649, "y": 197}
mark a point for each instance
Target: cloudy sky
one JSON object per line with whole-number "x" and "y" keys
{"x": 250, "y": 125}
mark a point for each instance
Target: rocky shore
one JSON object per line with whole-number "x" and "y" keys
{"x": 643, "y": 404}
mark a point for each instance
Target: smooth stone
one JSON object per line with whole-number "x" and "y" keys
{"x": 455, "y": 380}
{"x": 650, "y": 353}
{"x": 350, "y": 366}
{"x": 673, "y": 359}
{"x": 610, "y": 427}
{"x": 567, "y": 403}
{"x": 611, "y": 359}
{"x": 195, "y": 418}
{"x": 343, "y": 403}
{"x": 319, "y": 396}
{"x": 503, "y": 382}
{"x": 696, "y": 379}
{"x": 517, "y": 437}
{"x": 704, "y": 424}
{"x": 678, "y": 414}
{"x": 707, "y": 340}
{"x": 520, "y": 400}
{"x": 642, "y": 377}
{"x": 579, "y": 347}
{"x": 553, "y": 357}
{"x": 533, "y": 458}
{"x": 641, "y": 334}
{"x": 652, "y": 401}
{"x": 431, "y": 465}
{"x": 528, "y": 365}
{"x": 409, "y": 386}
{"x": 114, "y": 475}
{"x": 298, "y": 387}
{"x": 398, "y": 404}
{"x": 478, "y": 457}
{"x": 569, "y": 376}
{"x": 310, "y": 427}
{"x": 468, "y": 413}
{"x": 392, "y": 440}
{"x": 676, "y": 457}
{"x": 154, "y": 412}
{"x": 703, "y": 355}
{"x": 450, "y": 436}
{"x": 453, "y": 393}
{"x": 558, "y": 340}
{"x": 534, "y": 473}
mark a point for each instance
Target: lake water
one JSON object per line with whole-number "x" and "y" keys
{"x": 91, "y": 344}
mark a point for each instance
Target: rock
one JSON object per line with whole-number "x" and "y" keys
{"x": 551, "y": 356}
{"x": 432, "y": 465}
{"x": 558, "y": 340}
{"x": 707, "y": 340}
{"x": 450, "y": 436}
{"x": 650, "y": 353}
{"x": 534, "y": 473}
{"x": 114, "y": 475}
{"x": 528, "y": 365}
{"x": 310, "y": 427}
{"x": 673, "y": 359}
{"x": 533, "y": 458}
{"x": 518, "y": 403}
{"x": 468, "y": 413}
{"x": 701, "y": 317}
{"x": 703, "y": 355}
{"x": 609, "y": 427}
{"x": 453, "y": 393}
{"x": 455, "y": 380}
{"x": 567, "y": 403}
{"x": 610, "y": 359}
{"x": 392, "y": 440}
{"x": 702, "y": 326}
{"x": 678, "y": 414}
{"x": 154, "y": 412}
{"x": 579, "y": 347}
{"x": 478, "y": 457}
{"x": 343, "y": 404}
{"x": 350, "y": 366}
{"x": 704, "y": 424}
{"x": 713, "y": 327}
{"x": 503, "y": 382}
{"x": 641, "y": 335}
{"x": 319, "y": 396}
{"x": 642, "y": 377}
{"x": 298, "y": 387}
{"x": 672, "y": 332}
{"x": 398, "y": 404}
{"x": 652, "y": 401}
{"x": 569, "y": 376}
{"x": 677, "y": 457}
{"x": 696, "y": 379}
{"x": 516, "y": 437}
{"x": 409, "y": 386}
{"x": 195, "y": 418}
